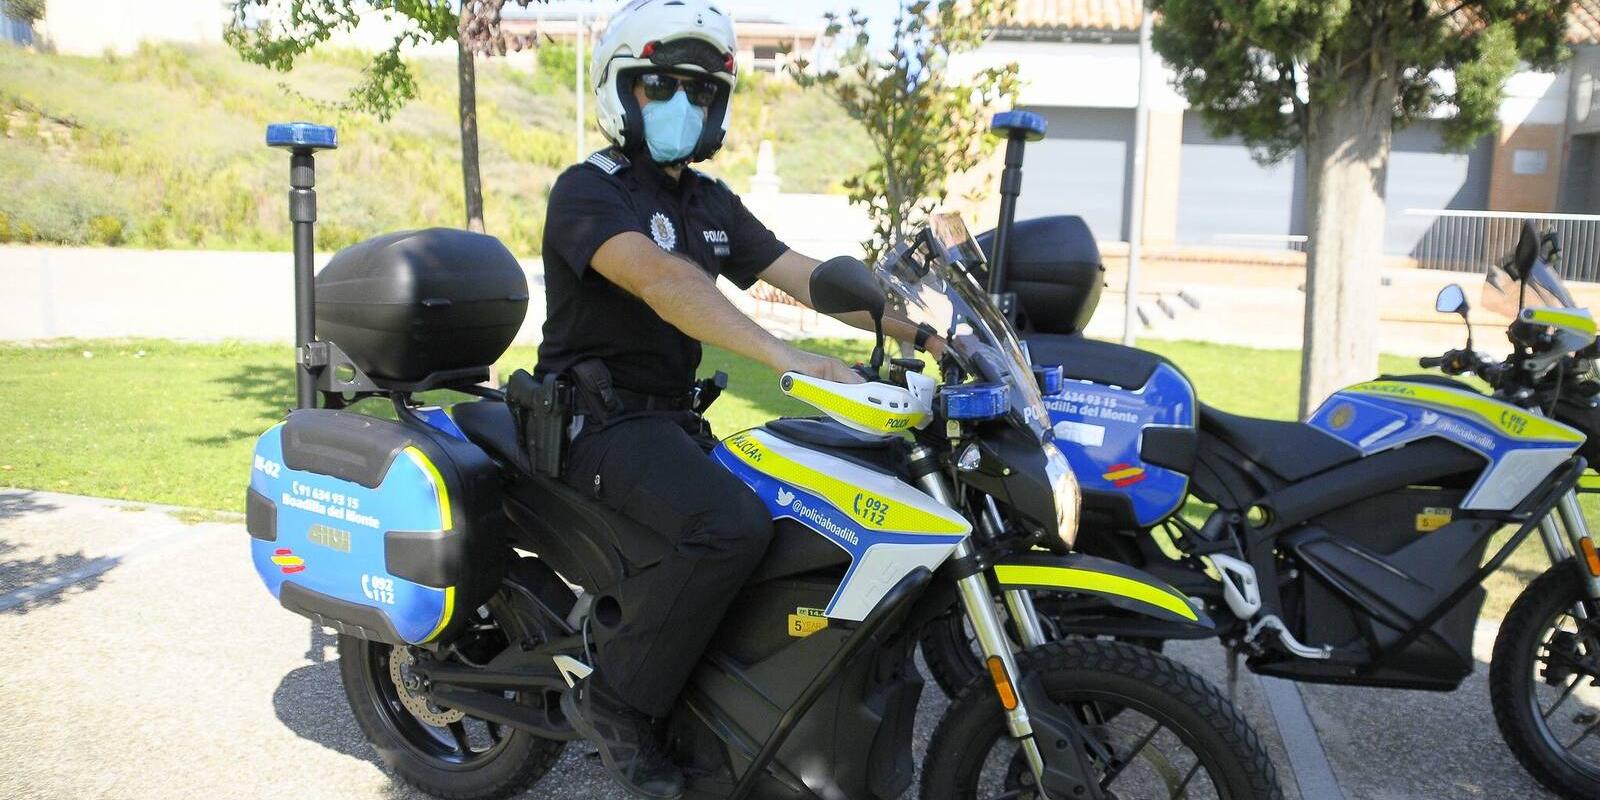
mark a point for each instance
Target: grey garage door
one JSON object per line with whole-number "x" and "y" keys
{"x": 1081, "y": 167}
{"x": 1225, "y": 198}
{"x": 1423, "y": 175}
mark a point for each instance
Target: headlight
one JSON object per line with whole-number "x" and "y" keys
{"x": 1064, "y": 486}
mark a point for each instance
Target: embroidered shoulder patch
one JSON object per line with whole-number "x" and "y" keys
{"x": 609, "y": 161}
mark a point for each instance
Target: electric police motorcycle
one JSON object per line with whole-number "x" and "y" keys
{"x": 445, "y": 555}
{"x": 1351, "y": 548}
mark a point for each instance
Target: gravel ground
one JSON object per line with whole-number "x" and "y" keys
{"x": 166, "y": 671}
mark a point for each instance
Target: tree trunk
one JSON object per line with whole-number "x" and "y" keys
{"x": 1347, "y": 159}
{"x": 468, "y": 91}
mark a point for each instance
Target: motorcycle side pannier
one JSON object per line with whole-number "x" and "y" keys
{"x": 410, "y": 305}
{"x": 1055, "y": 270}
{"x": 383, "y": 530}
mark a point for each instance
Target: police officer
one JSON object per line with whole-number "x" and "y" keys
{"x": 634, "y": 241}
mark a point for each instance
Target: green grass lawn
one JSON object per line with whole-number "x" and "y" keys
{"x": 174, "y": 423}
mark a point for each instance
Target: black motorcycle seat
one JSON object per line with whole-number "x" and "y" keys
{"x": 586, "y": 542}
{"x": 488, "y": 424}
{"x": 1084, "y": 359}
{"x": 1291, "y": 450}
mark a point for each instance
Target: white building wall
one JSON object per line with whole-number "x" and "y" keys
{"x": 1097, "y": 75}
{"x": 94, "y": 27}
{"x": 1074, "y": 74}
{"x": 1536, "y": 98}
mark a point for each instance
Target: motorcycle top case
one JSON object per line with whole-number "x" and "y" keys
{"x": 412, "y": 305}
{"x": 1053, "y": 265}
{"x": 379, "y": 529}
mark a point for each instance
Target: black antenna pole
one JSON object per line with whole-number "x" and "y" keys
{"x": 303, "y": 140}
{"x": 1019, "y": 128}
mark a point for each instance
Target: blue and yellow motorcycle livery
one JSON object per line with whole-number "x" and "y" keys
{"x": 446, "y": 555}
{"x": 1351, "y": 548}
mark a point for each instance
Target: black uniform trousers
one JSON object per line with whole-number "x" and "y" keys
{"x": 655, "y": 469}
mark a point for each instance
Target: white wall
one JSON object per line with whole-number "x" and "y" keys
{"x": 95, "y": 292}
{"x": 92, "y": 27}
{"x": 179, "y": 294}
{"x": 1092, "y": 75}
{"x": 1079, "y": 74}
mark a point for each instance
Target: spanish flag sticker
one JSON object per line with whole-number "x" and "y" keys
{"x": 1122, "y": 475}
{"x": 287, "y": 561}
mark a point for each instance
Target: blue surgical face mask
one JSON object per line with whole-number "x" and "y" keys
{"x": 672, "y": 128}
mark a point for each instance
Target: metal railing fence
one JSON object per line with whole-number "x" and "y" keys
{"x": 1468, "y": 241}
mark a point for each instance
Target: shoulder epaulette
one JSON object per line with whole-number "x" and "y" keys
{"x": 712, "y": 178}
{"x": 610, "y": 160}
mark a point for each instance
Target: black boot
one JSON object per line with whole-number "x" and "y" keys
{"x": 626, "y": 741}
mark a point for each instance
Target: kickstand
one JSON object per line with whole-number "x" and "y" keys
{"x": 1233, "y": 675}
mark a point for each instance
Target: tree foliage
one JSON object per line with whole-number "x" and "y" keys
{"x": 25, "y": 10}
{"x": 925, "y": 125}
{"x": 275, "y": 33}
{"x": 1255, "y": 68}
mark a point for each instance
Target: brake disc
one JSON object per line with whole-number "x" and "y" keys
{"x": 400, "y": 663}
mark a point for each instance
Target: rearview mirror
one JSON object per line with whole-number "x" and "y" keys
{"x": 1527, "y": 251}
{"x": 1451, "y": 300}
{"x": 843, "y": 284}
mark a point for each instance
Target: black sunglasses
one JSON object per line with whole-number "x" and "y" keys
{"x": 660, "y": 86}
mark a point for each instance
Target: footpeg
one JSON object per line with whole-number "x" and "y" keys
{"x": 572, "y": 670}
{"x": 1287, "y": 639}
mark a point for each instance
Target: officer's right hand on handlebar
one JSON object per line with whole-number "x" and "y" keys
{"x": 818, "y": 366}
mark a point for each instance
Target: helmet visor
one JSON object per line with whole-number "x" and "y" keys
{"x": 689, "y": 52}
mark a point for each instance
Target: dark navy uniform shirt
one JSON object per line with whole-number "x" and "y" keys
{"x": 696, "y": 217}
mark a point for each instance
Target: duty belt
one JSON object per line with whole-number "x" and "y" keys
{"x": 639, "y": 401}
{"x": 599, "y": 396}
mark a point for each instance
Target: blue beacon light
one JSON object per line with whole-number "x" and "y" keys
{"x": 302, "y": 136}
{"x": 975, "y": 401}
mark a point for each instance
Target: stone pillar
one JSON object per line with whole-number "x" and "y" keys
{"x": 766, "y": 180}
{"x": 1163, "y": 148}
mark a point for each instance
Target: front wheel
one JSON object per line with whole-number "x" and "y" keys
{"x": 1157, "y": 728}
{"x": 1544, "y": 683}
{"x": 444, "y": 752}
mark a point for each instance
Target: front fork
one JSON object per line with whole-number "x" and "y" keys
{"x": 978, "y": 601}
{"x": 1560, "y": 548}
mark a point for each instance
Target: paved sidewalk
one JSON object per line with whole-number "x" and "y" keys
{"x": 165, "y": 670}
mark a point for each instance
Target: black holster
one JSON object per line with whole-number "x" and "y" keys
{"x": 542, "y": 411}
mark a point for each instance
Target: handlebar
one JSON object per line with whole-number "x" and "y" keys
{"x": 1459, "y": 362}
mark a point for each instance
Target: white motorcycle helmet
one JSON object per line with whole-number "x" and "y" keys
{"x": 686, "y": 36}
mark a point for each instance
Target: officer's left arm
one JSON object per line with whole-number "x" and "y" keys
{"x": 791, "y": 273}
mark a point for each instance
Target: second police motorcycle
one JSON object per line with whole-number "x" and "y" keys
{"x": 1351, "y": 548}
